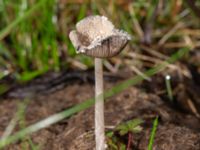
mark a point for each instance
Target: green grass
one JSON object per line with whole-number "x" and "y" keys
{"x": 153, "y": 133}
{"x": 88, "y": 103}
{"x": 33, "y": 37}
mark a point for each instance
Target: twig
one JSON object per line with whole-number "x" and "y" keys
{"x": 130, "y": 138}
{"x": 170, "y": 33}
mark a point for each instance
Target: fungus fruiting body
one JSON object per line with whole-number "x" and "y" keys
{"x": 96, "y": 36}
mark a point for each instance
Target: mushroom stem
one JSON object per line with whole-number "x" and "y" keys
{"x": 99, "y": 106}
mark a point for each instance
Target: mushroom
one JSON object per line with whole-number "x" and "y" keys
{"x": 96, "y": 36}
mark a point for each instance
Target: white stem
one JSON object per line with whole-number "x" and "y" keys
{"x": 99, "y": 106}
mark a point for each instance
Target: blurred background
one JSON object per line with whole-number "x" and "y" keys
{"x": 34, "y": 34}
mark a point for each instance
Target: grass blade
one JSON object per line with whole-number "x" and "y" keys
{"x": 12, "y": 25}
{"x": 153, "y": 133}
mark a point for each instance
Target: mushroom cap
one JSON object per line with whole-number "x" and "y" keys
{"x": 96, "y": 36}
